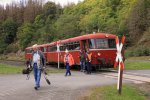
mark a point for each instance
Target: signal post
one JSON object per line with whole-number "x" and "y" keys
{"x": 121, "y": 65}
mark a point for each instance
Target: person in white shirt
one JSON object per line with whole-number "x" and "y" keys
{"x": 38, "y": 61}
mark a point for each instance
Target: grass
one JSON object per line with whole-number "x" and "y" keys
{"x": 110, "y": 93}
{"x": 137, "y": 63}
{"x": 146, "y": 58}
{"x": 9, "y": 69}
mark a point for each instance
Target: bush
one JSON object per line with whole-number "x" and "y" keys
{"x": 140, "y": 51}
{"x": 12, "y": 48}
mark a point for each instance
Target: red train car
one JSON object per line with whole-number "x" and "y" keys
{"x": 102, "y": 46}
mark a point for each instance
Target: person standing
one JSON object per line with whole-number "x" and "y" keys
{"x": 38, "y": 62}
{"x": 68, "y": 61}
{"x": 88, "y": 61}
{"x": 28, "y": 63}
{"x": 82, "y": 61}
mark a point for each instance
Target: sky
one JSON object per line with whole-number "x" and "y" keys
{"x": 62, "y": 2}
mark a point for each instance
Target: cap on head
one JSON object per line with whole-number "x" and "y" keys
{"x": 35, "y": 45}
{"x": 66, "y": 51}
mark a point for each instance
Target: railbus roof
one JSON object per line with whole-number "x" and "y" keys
{"x": 78, "y": 38}
{"x": 88, "y": 36}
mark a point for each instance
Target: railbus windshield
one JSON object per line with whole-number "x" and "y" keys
{"x": 101, "y": 43}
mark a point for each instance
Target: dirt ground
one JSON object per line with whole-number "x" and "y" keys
{"x": 145, "y": 88}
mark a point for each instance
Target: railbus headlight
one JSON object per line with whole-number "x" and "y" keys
{"x": 98, "y": 54}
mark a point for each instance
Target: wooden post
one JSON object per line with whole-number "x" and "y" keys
{"x": 120, "y": 82}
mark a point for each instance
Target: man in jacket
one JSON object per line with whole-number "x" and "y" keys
{"x": 82, "y": 60}
{"x": 38, "y": 61}
{"x": 68, "y": 61}
{"x": 88, "y": 61}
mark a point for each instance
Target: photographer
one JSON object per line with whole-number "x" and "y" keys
{"x": 38, "y": 61}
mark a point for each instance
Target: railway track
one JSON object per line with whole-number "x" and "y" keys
{"x": 12, "y": 62}
{"x": 135, "y": 77}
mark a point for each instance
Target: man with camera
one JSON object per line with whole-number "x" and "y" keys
{"x": 38, "y": 62}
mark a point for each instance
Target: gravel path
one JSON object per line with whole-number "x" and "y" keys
{"x": 16, "y": 87}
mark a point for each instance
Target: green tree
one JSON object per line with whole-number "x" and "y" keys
{"x": 50, "y": 9}
{"x": 26, "y": 35}
{"x": 9, "y": 30}
{"x": 67, "y": 26}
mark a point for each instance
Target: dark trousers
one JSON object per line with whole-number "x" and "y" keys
{"x": 88, "y": 67}
{"x": 68, "y": 69}
{"x": 37, "y": 75}
{"x": 82, "y": 64}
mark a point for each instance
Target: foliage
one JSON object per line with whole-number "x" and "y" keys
{"x": 12, "y": 48}
{"x": 140, "y": 51}
{"x": 67, "y": 26}
{"x": 25, "y": 35}
{"x": 9, "y": 30}
{"x": 35, "y": 22}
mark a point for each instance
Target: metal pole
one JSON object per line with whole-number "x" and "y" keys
{"x": 118, "y": 78}
{"x": 58, "y": 50}
{"x": 58, "y": 59}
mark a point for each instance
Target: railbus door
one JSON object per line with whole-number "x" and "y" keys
{"x": 84, "y": 45}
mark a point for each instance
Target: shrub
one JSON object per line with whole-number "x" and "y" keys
{"x": 140, "y": 51}
{"x": 12, "y": 48}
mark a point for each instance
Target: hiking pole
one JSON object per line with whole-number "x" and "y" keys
{"x": 45, "y": 76}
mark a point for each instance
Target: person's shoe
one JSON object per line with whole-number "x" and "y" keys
{"x": 65, "y": 75}
{"x": 36, "y": 88}
{"x": 70, "y": 75}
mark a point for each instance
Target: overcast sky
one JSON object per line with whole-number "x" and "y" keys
{"x": 62, "y": 2}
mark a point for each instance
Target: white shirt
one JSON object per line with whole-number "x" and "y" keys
{"x": 36, "y": 57}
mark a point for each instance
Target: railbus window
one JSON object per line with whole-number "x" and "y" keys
{"x": 98, "y": 43}
{"x": 111, "y": 43}
{"x": 76, "y": 45}
{"x": 48, "y": 49}
{"x": 64, "y": 46}
{"x": 61, "y": 47}
{"x": 91, "y": 43}
{"x": 29, "y": 51}
{"x": 52, "y": 48}
{"x": 70, "y": 46}
{"x": 101, "y": 43}
{"x": 44, "y": 49}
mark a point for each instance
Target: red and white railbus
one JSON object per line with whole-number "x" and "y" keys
{"x": 102, "y": 46}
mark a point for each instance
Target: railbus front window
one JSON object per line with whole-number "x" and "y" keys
{"x": 111, "y": 43}
{"x": 101, "y": 43}
{"x": 44, "y": 49}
